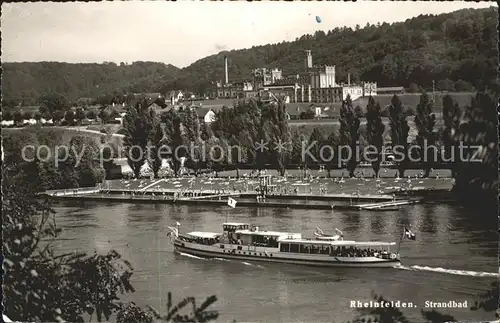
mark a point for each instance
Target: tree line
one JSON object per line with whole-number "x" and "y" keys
{"x": 251, "y": 123}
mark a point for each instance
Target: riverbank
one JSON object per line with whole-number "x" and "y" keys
{"x": 316, "y": 193}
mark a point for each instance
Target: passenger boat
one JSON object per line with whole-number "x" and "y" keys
{"x": 241, "y": 241}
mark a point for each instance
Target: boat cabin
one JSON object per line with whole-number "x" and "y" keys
{"x": 229, "y": 231}
{"x": 207, "y": 238}
{"x": 244, "y": 234}
{"x": 257, "y": 238}
{"x": 336, "y": 248}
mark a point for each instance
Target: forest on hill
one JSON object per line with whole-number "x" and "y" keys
{"x": 457, "y": 50}
{"x": 26, "y": 83}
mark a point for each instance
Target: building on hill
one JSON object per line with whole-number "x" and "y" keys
{"x": 175, "y": 97}
{"x": 241, "y": 89}
{"x": 264, "y": 76}
{"x": 206, "y": 115}
{"x": 317, "y": 84}
{"x": 324, "y": 86}
{"x": 235, "y": 89}
{"x": 295, "y": 89}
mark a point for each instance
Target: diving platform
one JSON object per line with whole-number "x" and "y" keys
{"x": 209, "y": 197}
{"x": 391, "y": 204}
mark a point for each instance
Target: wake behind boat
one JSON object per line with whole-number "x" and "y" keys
{"x": 244, "y": 242}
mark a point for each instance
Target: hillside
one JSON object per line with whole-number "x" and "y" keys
{"x": 454, "y": 46}
{"x": 458, "y": 50}
{"x": 29, "y": 81}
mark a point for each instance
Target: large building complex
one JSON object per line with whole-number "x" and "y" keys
{"x": 317, "y": 84}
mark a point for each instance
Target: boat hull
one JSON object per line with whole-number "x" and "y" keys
{"x": 282, "y": 257}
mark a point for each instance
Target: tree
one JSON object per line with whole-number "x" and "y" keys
{"x": 358, "y": 111}
{"x": 476, "y": 180}
{"x": 332, "y": 141}
{"x": 199, "y": 314}
{"x": 206, "y": 131}
{"x": 105, "y": 114}
{"x": 451, "y": 119}
{"x": 40, "y": 284}
{"x": 69, "y": 117}
{"x": 316, "y": 139}
{"x": 425, "y": 121}
{"x": 27, "y": 115}
{"x": 85, "y": 153}
{"x": 132, "y": 313}
{"x": 349, "y": 134}
{"x": 91, "y": 114}
{"x": 399, "y": 134}
{"x": 50, "y": 103}
{"x": 138, "y": 124}
{"x": 18, "y": 118}
{"x": 79, "y": 115}
{"x": 38, "y": 117}
{"x": 308, "y": 114}
{"x": 192, "y": 136}
{"x": 158, "y": 145}
{"x": 174, "y": 138}
{"x": 57, "y": 116}
{"x": 375, "y": 130}
{"x": 276, "y": 132}
{"x": 7, "y": 116}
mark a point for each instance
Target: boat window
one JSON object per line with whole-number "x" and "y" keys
{"x": 315, "y": 248}
{"x": 284, "y": 247}
{"x": 304, "y": 248}
{"x": 352, "y": 251}
{"x": 294, "y": 247}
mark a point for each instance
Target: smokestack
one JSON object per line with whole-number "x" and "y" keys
{"x": 225, "y": 69}
{"x": 308, "y": 60}
{"x": 348, "y": 78}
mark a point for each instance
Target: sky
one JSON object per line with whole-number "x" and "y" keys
{"x": 179, "y": 33}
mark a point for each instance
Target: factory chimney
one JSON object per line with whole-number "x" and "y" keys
{"x": 348, "y": 78}
{"x": 225, "y": 70}
{"x": 309, "y": 60}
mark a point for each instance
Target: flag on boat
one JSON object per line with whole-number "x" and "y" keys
{"x": 178, "y": 224}
{"x": 231, "y": 202}
{"x": 410, "y": 235}
{"x": 173, "y": 234}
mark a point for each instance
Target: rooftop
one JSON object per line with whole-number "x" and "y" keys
{"x": 290, "y": 80}
{"x": 267, "y": 233}
{"x": 340, "y": 242}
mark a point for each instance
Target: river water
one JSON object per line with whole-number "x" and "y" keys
{"x": 453, "y": 258}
